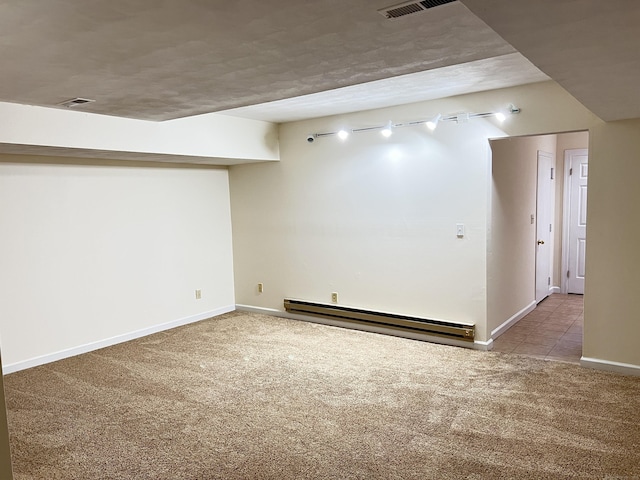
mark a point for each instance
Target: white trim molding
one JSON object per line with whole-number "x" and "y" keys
{"x": 609, "y": 366}
{"x": 483, "y": 346}
{"x": 476, "y": 345}
{"x": 107, "y": 342}
{"x": 566, "y": 197}
{"x": 513, "y": 320}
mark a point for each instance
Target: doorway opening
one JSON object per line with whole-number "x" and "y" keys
{"x": 538, "y": 219}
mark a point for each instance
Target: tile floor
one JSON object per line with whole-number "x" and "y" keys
{"x": 552, "y": 331}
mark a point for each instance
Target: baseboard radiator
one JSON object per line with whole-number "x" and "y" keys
{"x": 457, "y": 331}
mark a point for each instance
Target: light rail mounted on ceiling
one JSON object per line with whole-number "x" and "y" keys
{"x": 431, "y": 123}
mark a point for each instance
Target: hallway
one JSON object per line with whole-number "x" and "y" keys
{"x": 553, "y": 331}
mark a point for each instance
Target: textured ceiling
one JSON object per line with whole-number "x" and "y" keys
{"x": 161, "y": 60}
{"x": 284, "y": 60}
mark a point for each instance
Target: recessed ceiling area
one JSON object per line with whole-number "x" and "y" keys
{"x": 480, "y": 75}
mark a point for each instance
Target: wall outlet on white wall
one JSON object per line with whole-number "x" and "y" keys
{"x": 334, "y": 297}
{"x": 198, "y": 294}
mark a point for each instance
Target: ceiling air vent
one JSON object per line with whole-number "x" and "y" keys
{"x": 75, "y": 102}
{"x": 408, "y": 8}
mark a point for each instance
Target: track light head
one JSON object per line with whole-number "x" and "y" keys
{"x": 433, "y": 123}
{"x": 386, "y": 131}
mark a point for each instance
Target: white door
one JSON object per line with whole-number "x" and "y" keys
{"x": 577, "y": 168}
{"x": 544, "y": 214}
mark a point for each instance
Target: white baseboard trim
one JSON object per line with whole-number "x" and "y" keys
{"x": 513, "y": 320}
{"x": 477, "y": 345}
{"x": 554, "y": 290}
{"x": 265, "y": 311}
{"x": 606, "y": 365}
{"x": 89, "y": 347}
{"x": 483, "y": 346}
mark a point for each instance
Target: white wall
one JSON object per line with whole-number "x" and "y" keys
{"x": 374, "y": 219}
{"x": 89, "y": 253}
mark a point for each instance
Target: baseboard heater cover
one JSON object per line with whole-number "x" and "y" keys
{"x": 440, "y": 328}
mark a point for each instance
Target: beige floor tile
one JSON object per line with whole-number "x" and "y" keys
{"x": 521, "y": 330}
{"x": 554, "y": 327}
{"x": 545, "y": 332}
{"x": 566, "y": 351}
{"x": 552, "y": 331}
{"x": 510, "y": 336}
{"x": 553, "y": 300}
{"x": 575, "y": 328}
{"x": 504, "y": 346}
{"x": 568, "y": 321}
{"x": 573, "y": 337}
{"x": 541, "y": 339}
{"x": 545, "y": 308}
{"x": 563, "y": 315}
{"x": 534, "y": 322}
{"x": 539, "y": 313}
{"x": 568, "y": 311}
{"x": 533, "y": 349}
{"x": 570, "y": 343}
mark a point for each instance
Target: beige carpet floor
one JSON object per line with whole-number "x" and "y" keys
{"x": 246, "y": 396}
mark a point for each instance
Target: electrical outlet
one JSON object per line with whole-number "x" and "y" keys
{"x": 334, "y": 297}
{"x": 260, "y": 287}
{"x": 198, "y": 294}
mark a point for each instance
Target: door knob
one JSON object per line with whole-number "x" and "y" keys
{"x": 540, "y": 242}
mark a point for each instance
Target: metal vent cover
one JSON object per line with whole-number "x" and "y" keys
{"x": 408, "y": 8}
{"x": 74, "y": 102}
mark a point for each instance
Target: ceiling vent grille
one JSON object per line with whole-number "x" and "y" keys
{"x": 408, "y": 8}
{"x": 74, "y": 102}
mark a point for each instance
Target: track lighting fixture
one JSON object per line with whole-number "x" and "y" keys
{"x": 433, "y": 123}
{"x": 387, "y": 129}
